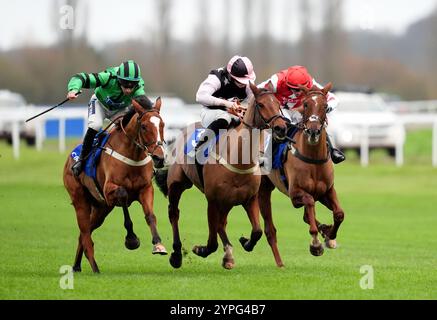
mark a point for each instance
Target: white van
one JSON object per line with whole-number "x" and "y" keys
{"x": 355, "y": 110}
{"x": 11, "y": 101}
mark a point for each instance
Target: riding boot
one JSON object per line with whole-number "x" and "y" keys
{"x": 86, "y": 148}
{"x": 215, "y": 127}
{"x": 336, "y": 155}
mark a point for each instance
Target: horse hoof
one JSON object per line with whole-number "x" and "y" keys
{"x": 201, "y": 251}
{"x": 159, "y": 249}
{"x": 77, "y": 269}
{"x": 316, "y": 250}
{"x": 331, "y": 244}
{"x": 176, "y": 260}
{"x": 244, "y": 241}
{"x": 228, "y": 264}
{"x": 132, "y": 243}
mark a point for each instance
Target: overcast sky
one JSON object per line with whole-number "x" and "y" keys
{"x": 26, "y": 21}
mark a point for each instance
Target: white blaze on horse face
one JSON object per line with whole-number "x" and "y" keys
{"x": 156, "y": 121}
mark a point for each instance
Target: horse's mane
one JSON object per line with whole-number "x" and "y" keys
{"x": 144, "y": 102}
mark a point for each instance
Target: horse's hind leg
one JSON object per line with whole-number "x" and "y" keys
{"x": 146, "y": 200}
{"x": 213, "y": 221}
{"x": 265, "y": 204}
{"x": 330, "y": 200}
{"x": 83, "y": 213}
{"x": 98, "y": 215}
{"x": 252, "y": 210}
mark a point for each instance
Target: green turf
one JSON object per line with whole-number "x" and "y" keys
{"x": 390, "y": 224}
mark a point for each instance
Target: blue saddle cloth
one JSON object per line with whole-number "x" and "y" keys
{"x": 194, "y": 139}
{"x": 93, "y": 159}
{"x": 278, "y": 150}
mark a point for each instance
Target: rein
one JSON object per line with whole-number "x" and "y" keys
{"x": 139, "y": 144}
{"x": 267, "y": 122}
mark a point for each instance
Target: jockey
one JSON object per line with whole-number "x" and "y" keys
{"x": 114, "y": 90}
{"x": 218, "y": 88}
{"x": 286, "y": 88}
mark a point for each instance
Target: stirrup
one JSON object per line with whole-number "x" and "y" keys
{"x": 77, "y": 168}
{"x": 337, "y": 156}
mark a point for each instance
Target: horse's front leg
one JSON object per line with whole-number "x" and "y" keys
{"x": 175, "y": 191}
{"x": 213, "y": 221}
{"x": 146, "y": 200}
{"x": 228, "y": 261}
{"x": 252, "y": 210}
{"x": 299, "y": 198}
{"x": 118, "y": 196}
{"x": 330, "y": 200}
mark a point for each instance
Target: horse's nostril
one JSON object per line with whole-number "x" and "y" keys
{"x": 279, "y": 129}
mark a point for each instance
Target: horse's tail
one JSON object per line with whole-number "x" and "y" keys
{"x": 161, "y": 180}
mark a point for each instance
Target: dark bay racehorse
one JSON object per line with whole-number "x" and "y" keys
{"x": 226, "y": 183}
{"x": 309, "y": 176}
{"x": 124, "y": 175}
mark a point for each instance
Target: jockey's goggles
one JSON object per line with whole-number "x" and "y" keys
{"x": 127, "y": 84}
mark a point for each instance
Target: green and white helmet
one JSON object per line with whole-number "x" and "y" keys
{"x": 129, "y": 71}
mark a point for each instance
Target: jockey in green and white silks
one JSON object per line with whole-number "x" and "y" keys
{"x": 114, "y": 90}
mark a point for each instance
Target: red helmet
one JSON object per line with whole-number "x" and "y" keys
{"x": 298, "y": 75}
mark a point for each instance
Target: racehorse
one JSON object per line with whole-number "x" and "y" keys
{"x": 309, "y": 176}
{"x": 124, "y": 174}
{"x": 225, "y": 184}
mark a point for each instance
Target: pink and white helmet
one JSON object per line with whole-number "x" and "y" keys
{"x": 241, "y": 69}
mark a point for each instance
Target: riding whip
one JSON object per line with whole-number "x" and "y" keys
{"x": 50, "y": 109}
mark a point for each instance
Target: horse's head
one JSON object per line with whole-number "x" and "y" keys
{"x": 150, "y": 130}
{"x": 315, "y": 105}
{"x": 267, "y": 112}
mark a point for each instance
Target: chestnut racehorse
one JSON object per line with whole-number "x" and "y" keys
{"x": 124, "y": 174}
{"x": 226, "y": 183}
{"x": 309, "y": 176}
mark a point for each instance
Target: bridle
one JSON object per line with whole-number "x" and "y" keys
{"x": 312, "y": 118}
{"x": 267, "y": 123}
{"x": 140, "y": 144}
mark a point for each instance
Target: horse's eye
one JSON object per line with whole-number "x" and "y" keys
{"x": 143, "y": 127}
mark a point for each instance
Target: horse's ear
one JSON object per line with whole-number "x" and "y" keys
{"x": 157, "y": 105}
{"x": 327, "y": 88}
{"x": 138, "y": 108}
{"x": 269, "y": 86}
{"x": 254, "y": 88}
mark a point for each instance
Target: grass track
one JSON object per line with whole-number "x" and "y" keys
{"x": 390, "y": 224}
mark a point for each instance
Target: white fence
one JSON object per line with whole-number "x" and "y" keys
{"x": 17, "y": 118}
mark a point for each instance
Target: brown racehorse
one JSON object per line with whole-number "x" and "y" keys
{"x": 226, "y": 183}
{"x": 124, "y": 175}
{"x": 309, "y": 176}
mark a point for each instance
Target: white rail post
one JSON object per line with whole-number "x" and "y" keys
{"x": 62, "y": 134}
{"x": 39, "y": 134}
{"x": 16, "y": 138}
{"x": 364, "y": 148}
{"x": 399, "y": 148}
{"x": 434, "y": 144}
